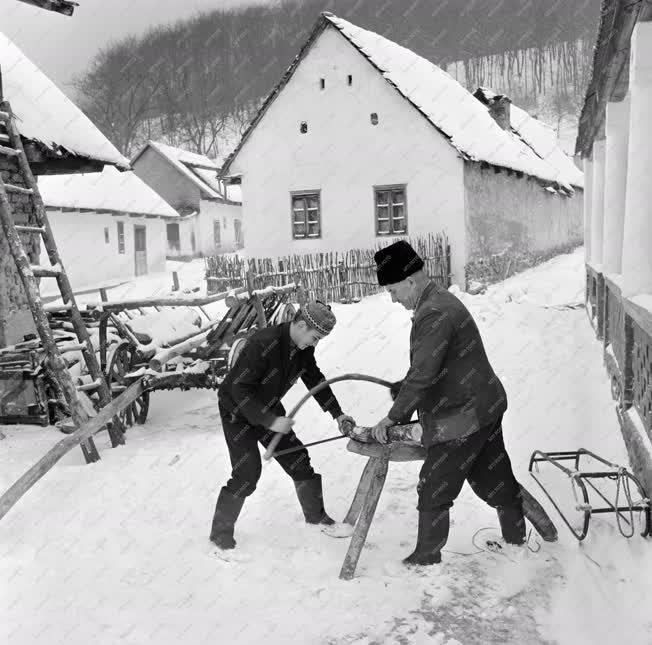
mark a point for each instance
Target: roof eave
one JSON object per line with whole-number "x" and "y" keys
{"x": 64, "y": 7}
{"x": 610, "y": 72}
{"x": 61, "y": 160}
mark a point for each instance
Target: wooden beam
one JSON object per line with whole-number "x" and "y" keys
{"x": 85, "y": 431}
{"x": 64, "y": 7}
{"x": 125, "y": 305}
{"x": 609, "y": 65}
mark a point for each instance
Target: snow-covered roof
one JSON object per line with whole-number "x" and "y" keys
{"x": 198, "y": 168}
{"x": 45, "y": 115}
{"x": 107, "y": 190}
{"x": 542, "y": 139}
{"x": 450, "y": 107}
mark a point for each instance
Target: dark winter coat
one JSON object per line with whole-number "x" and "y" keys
{"x": 267, "y": 367}
{"x": 450, "y": 381}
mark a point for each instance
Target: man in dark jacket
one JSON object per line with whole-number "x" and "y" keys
{"x": 460, "y": 403}
{"x": 249, "y": 400}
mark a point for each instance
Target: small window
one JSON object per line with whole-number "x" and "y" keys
{"x": 304, "y": 127}
{"x": 374, "y": 118}
{"x": 349, "y": 79}
{"x": 217, "y": 234}
{"x": 121, "y": 237}
{"x": 322, "y": 83}
{"x": 106, "y": 235}
{"x": 391, "y": 210}
{"x": 306, "y": 215}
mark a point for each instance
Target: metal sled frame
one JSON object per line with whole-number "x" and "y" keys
{"x": 617, "y": 473}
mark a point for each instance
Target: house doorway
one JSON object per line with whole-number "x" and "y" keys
{"x": 140, "y": 249}
{"x": 174, "y": 239}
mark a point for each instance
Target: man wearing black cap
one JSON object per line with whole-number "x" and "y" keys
{"x": 460, "y": 403}
{"x": 249, "y": 398}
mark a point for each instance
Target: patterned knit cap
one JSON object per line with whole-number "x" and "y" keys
{"x": 319, "y": 316}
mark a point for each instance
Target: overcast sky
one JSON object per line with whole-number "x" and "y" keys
{"x": 62, "y": 46}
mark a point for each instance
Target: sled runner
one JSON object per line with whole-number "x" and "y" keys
{"x": 582, "y": 478}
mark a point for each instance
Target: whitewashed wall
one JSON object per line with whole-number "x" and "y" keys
{"x": 89, "y": 259}
{"x": 225, "y": 214}
{"x": 344, "y": 156}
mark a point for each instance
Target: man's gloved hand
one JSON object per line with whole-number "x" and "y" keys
{"x": 395, "y": 389}
{"x": 345, "y": 424}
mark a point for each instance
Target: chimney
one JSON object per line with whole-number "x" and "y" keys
{"x": 499, "y": 108}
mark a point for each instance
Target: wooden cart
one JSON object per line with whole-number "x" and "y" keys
{"x": 199, "y": 359}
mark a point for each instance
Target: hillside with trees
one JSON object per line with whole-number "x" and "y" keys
{"x": 197, "y": 82}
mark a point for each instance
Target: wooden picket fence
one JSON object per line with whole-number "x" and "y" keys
{"x": 333, "y": 277}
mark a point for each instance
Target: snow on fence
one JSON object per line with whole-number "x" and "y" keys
{"x": 344, "y": 276}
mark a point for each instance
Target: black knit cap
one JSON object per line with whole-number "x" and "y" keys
{"x": 396, "y": 262}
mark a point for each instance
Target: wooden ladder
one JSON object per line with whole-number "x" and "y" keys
{"x": 12, "y": 146}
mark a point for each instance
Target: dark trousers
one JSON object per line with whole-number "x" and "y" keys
{"x": 481, "y": 459}
{"x": 242, "y": 440}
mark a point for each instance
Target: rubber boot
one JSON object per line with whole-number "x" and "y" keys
{"x": 311, "y": 498}
{"x": 431, "y": 537}
{"x": 512, "y": 524}
{"x": 227, "y": 510}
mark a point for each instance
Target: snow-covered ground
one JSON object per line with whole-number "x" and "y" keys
{"x": 117, "y": 552}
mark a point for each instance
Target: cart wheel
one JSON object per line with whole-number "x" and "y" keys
{"x": 234, "y": 351}
{"x": 121, "y": 363}
{"x": 285, "y": 313}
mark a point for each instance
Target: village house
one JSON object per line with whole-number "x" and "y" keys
{"x": 364, "y": 140}
{"x": 58, "y": 139}
{"x": 210, "y": 220}
{"x": 615, "y": 142}
{"x": 110, "y": 221}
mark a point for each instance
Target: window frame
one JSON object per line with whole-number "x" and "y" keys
{"x": 306, "y": 193}
{"x": 390, "y": 188}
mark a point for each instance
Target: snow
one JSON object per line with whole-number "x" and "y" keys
{"x": 198, "y": 168}
{"x": 109, "y": 189}
{"x": 542, "y": 138}
{"x": 448, "y": 105}
{"x": 45, "y": 114}
{"x": 643, "y": 300}
{"x": 117, "y": 552}
{"x": 167, "y": 324}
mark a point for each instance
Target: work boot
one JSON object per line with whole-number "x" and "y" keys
{"x": 512, "y": 524}
{"x": 311, "y": 499}
{"x": 431, "y": 537}
{"x": 227, "y": 510}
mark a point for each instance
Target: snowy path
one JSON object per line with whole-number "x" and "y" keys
{"x": 117, "y": 552}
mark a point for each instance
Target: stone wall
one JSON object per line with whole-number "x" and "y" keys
{"x": 15, "y": 316}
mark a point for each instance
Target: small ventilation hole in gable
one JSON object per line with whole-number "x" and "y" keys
{"x": 304, "y": 127}
{"x": 350, "y": 79}
{"x": 374, "y": 118}
{"x": 322, "y": 83}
